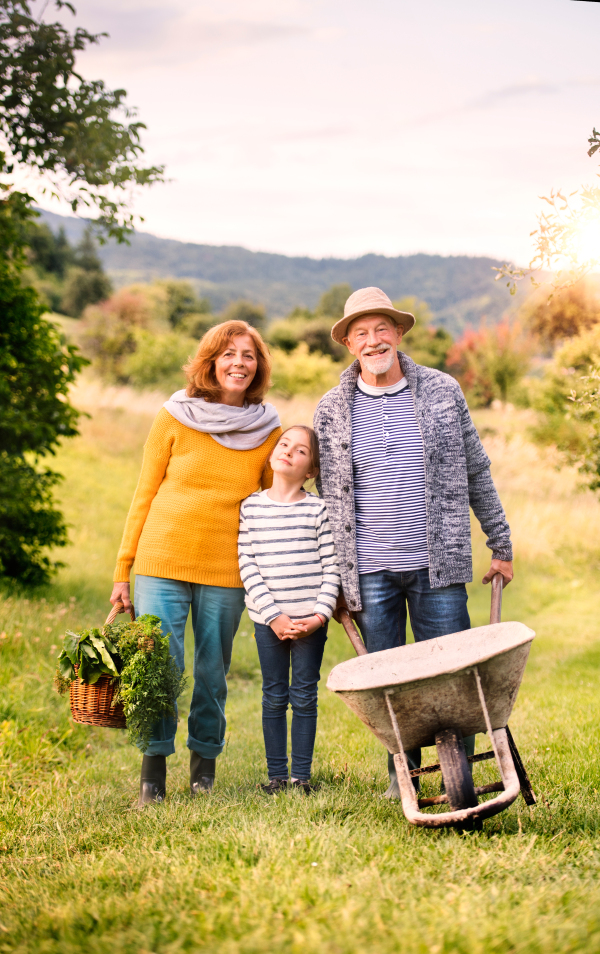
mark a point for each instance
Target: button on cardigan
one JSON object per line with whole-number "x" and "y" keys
{"x": 184, "y": 518}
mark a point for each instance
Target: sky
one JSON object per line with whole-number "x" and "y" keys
{"x": 342, "y": 127}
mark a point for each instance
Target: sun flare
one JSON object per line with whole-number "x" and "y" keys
{"x": 586, "y": 242}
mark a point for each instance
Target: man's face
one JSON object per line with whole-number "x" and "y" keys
{"x": 373, "y": 339}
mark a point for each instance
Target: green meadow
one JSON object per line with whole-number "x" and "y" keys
{"x": 342, "y": 871}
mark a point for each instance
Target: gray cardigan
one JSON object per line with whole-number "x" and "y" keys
{"x": 457, "y": 473}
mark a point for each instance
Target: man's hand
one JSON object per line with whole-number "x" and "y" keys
{"x": 504, "y": 567}
{"x": 340, "y": 605}
{"x": 121, "y": 594}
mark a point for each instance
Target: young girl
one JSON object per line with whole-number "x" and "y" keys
{"x": 289, "y": 569}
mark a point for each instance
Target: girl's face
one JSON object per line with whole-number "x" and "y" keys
{"x": 291, "y": 457}
{"x": 235, "y": 369}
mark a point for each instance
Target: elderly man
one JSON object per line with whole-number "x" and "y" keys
{"x": 401, "y": 462}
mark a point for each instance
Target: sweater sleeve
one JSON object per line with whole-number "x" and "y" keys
{"x": 157, "y": 453}
{"x": 330, "y": 585}
{"x": 483, "y": 496}
{"x": 255, "y": 586}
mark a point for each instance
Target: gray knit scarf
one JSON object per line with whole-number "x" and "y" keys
{"x": 240, "y": 428}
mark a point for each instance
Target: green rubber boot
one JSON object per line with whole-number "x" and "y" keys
{"x": 202, "y": 774}
{"x": 153, "y": 779}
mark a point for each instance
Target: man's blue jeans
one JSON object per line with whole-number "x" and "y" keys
{"x": 216, "y": 613}
{"x": 386, "y": 596}
{"x": 305, "y": 656}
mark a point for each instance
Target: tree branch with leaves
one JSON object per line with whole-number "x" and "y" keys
{"x": 77, "y": 134}
{"x": 566, "y": 240}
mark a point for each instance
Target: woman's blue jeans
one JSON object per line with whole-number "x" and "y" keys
{"x": 216, "y": 614}
{"x": 386, "y": 596}
{"x": 305, "y": 656}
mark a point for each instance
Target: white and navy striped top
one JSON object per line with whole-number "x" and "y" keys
{"x": 287, "y": 558}
{"x": 389, "y": 480}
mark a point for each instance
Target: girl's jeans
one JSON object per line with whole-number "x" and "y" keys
{"x": 216, "y": 613}
{"x": 305, "y": 656}
{"x": 385, "y": 596}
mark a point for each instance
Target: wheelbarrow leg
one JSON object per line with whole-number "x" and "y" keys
{"x": 526, "y": 789}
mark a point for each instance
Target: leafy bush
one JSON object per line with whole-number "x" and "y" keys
{"x": 331, "y": 302}
{"x": 137, "y": 657}
{"x": 36, "y": 370}
{"x": 247, "y": 311}
{"x": 567, "y": 314}
{"x": 557, "y": 423}
{"x": 586, "y": 412}
{"x": 181, "y": 301}
{"x": 489, "y": 363}
{"x": 429, "y": 346}
{"x": 314, "y": 332}
{"x": 29, "y": 522}
{"x": 108, "y": 333}
{"x": 83, "y": 288}
{"x": 157, "y": 360}
{"x": 303, "y": 373}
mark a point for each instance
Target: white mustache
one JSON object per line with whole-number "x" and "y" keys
{"x": 372, "y": 354}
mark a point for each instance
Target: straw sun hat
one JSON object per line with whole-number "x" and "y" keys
{"x": 369, "y": 301}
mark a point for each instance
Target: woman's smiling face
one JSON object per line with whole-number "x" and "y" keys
{"x": 235, "y": 369}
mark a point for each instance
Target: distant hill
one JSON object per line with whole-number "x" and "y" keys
{"x": 459, "y": 289}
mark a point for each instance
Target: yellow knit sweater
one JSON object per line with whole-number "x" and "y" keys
{"x": 184, "y": 518}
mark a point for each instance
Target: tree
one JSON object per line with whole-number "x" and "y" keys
{"x": 425, "y": 344}
{"x": 48, "y": 253}
{"x": 488, "y": 363}
{"x": 66, "y": 128}
{"x": 331, "y": 302}
{"x": 83, "y": 288}
{"x": 247, "y": 311}
{"x": 570, "y": 312}
{"x": 567, "y": 237}
{"x": 86, "y": 282}
{"x": 586, "y": 410}
{"x": 36, "y": 369}
{"x": 182, "y": 301}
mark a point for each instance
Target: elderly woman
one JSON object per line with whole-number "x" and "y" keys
{"x": 207, "y": 450}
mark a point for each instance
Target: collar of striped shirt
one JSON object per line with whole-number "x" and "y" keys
{"x": 377, "y": 392}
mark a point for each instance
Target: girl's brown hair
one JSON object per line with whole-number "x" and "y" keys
{"x": 313, "y": 444}
{"x": 200, "y": 372}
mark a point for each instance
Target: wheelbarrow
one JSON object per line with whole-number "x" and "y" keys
{"x": 436, "y": 692}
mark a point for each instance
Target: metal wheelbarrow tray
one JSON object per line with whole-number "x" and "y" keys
{"x": 434, "y": 693}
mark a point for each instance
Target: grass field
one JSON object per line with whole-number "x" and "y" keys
{"x": 340, "y": 872}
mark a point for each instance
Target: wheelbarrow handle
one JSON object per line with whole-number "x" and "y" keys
{"x": 360, "y": 648}
{"x": 352, "y": 632}
{"x": 496, "y": 605}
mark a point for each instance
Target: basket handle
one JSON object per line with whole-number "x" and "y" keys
{"x": 119, "y": 608}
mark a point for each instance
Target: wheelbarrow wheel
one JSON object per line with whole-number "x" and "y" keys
{"x": 456, "y": 772}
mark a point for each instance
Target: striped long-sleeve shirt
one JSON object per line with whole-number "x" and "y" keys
{"x": 287, "y": 558}
{"x": 389, "y": 480}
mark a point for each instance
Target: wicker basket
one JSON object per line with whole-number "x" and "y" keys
{"x": 92, "y": 705}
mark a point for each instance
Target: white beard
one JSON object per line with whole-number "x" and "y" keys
{"x": 380, "y": 364}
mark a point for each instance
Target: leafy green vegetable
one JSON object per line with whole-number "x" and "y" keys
{"x": 137, "y": 657}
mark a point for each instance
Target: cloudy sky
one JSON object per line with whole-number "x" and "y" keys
{"x": 339, "y": 127}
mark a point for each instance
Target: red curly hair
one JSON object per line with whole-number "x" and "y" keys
{"x": 200, "y": 372}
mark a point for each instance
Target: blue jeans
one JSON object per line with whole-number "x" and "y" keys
{"x": 386, "y": 596}
{"x": 216, "y": 613}
{"x": 305, "y": 656}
